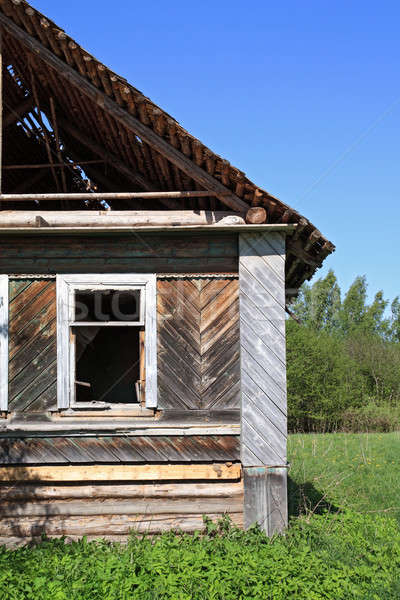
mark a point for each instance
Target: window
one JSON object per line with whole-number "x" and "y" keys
{"x": 106, "y": 341}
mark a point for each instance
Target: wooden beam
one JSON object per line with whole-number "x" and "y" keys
{"x": 16, "y": 113}
{"x": 108, "y": 157}
{"x": 102, "y": 196}
{"x": 152, "y": 472}
{"x": 120, "y": 229}
{"x": 31, "y": 492}
{"x": 295, "y": 247}
{"x": 50, "y": 165}
{"x": 265, "y": 498}
{"x": 149, "y": 506}
{"x": 146, "y": 134}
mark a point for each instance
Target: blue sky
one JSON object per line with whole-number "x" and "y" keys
{"x": 302, "y": 96}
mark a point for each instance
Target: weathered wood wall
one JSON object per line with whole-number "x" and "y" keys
{"x": 263, "y": 375}
{"x": 117, "y": 449}
{"x": 32, "y": 345}
{"x": 263, "y": 349}
{"x": 133, "y": 253}
{"x": 112, "y": 510}
{"x": 198, "y": 343}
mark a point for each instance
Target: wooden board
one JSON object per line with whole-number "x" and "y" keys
{"x": 151, "y": 472}
{"x": 262, "y": 341}
{"x": 118, "y": 449}
{"x": 32, "y": 345}
{"x": 265, "y": 501}
{"x": 198, "y": 343}
{"x": 4, "y": 300}
{"x": 128, "y": 253}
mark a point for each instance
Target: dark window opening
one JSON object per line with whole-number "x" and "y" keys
{"x": 108, "y": 364}
{"x": 107, "y": 306}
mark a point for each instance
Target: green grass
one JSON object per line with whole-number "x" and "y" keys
{"x": 343, "y": 542}
{"x": 355, "y": 471}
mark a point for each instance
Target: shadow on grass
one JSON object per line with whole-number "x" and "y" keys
{"x": 304, "y": 498}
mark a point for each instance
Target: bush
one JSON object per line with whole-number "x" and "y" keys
{"x": 372, "y": 417}
{"x": 341, "y": 383}
{"x": 323, "y": 379}
{"x": 342, "y": 556}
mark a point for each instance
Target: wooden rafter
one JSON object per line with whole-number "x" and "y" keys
{"x": 18, "y": 112}
{"x": 111, "y": 158}
{"x": 147, "y": 135}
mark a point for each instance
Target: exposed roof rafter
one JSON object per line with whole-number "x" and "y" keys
{"x": 132, "y": 123}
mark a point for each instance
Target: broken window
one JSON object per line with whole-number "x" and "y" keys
{"x": 107, "y": 329}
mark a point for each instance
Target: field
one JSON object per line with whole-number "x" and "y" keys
{"x": 353, "y": 471}
{"x": 343, "y": 543}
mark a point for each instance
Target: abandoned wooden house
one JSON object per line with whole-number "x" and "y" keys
{"x": 143, "y": 288}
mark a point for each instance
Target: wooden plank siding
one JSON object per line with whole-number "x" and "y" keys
{"x": 32, "y": 345}
{"x": 129, "y": 253}
{"x": 263, "y": 379}
{"x": 118, "y": 449}
{"x": 262, "y": 345}
{"x": 198, "y": 343}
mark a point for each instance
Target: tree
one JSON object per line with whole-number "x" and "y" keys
{"x": 395, "y": 320}
{"x": 345, "y": 356}
{"x": 353, "y": 308}
{"x": 318, "y": 306}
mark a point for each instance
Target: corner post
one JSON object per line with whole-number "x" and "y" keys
{"x": 263, "y": 379}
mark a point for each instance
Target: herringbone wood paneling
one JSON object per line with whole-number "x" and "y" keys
{"x": 32, "y": 345}
{"x": 198, "y": 343}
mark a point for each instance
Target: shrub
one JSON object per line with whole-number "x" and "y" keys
{"x": 323, "y": 379}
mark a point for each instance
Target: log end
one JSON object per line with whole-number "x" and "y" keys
{"x": 256, "y": 215}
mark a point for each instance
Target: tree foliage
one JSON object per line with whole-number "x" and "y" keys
{"x": 345, "y": 355}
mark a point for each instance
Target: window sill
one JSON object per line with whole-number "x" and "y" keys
{"x": 118, "y": 411}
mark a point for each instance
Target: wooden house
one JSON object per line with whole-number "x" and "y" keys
{"x": 143, "y": 287}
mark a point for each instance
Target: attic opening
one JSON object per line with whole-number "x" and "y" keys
{"x": 60, "y": 142}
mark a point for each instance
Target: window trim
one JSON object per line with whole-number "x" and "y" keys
{"x": 66, "y": 285}
{"x": 4, "y": 333}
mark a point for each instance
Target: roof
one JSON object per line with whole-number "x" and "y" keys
{"x": 63, "y": 106}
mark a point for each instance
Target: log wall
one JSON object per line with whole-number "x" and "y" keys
{"x": 113, "y": 510}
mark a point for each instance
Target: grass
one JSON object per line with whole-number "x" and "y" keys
{"x": 343, "y": 542}
{"x": 341, "y": 470}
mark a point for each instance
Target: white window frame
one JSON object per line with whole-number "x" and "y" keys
{"x": 66, "y": 287}
{"x": 4, "y": 298}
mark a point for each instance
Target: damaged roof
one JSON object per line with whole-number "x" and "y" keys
{"x": 64, "y": 107}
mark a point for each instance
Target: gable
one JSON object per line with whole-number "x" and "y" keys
{"x": 96, "y": 132}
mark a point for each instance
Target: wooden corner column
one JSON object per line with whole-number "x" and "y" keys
{"x": 263, "y": 379}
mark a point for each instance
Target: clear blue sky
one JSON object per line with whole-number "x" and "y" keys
{"x": 283, "y": 90}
